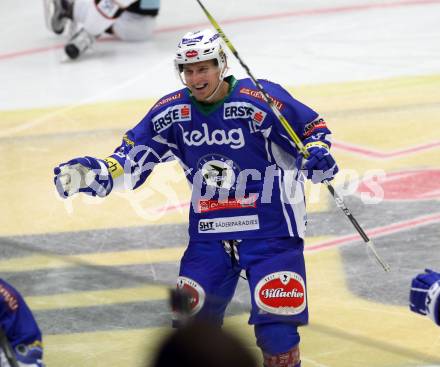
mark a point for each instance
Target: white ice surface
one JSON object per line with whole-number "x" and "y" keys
{"x": 319, "y": 42}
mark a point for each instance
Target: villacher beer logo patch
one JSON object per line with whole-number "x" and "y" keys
{"x": 195, "y": 291}
{"x": 281, "y": 293}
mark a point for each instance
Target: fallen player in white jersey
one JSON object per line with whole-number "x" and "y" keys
{"x": 127, "y": 20}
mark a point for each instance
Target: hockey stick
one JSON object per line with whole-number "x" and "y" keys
{"x": 298, "y": 143}
{"x": 7, "y": 349}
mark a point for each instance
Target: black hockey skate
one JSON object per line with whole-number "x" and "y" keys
{"x": 78, "y": 44}
{"x": 56, "y": 13}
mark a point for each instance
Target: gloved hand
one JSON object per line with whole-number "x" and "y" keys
{"x": 29, "y": 355}
{"x": 25, "y": 356}
{"x": 86, "y": 174}
{"x": 424, "y": 296}
{"x": 320, "y": 165}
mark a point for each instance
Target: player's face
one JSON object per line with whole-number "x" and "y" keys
{"x": 201, "y": 78}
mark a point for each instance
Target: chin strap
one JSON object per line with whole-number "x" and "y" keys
{"x": 220, "y": 77}
{"x": 215, "y": 91}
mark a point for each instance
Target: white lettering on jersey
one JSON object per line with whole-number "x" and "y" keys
{"x": 243, "y": 110}
{"x": 177, "y": 113}
{"x": 229, "y": 224}
{"x": 232, "y": 137}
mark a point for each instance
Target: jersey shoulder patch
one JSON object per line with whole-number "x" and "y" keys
{"x": 174, "y": 107}
{"x": 168, "y": 99}
{"x": 8, "y": 296}
{"x": 168, "y": 116}
{"x": 247, "y": 88}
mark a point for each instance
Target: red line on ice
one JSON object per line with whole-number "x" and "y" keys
{"x": 299, "y": 13}
{"x": 377, "y": 232}
{"x": 384, "y": 155}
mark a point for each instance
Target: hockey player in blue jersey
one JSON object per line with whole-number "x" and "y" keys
{"x": 424, "y": 296}
{"x": 247, "y": 206}
{"x": 21, "y": 335}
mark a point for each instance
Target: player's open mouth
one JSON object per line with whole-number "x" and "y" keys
{"x": 200, "y": 87}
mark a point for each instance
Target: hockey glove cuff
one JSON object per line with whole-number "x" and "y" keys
{"x": 29, "y": 355}
{"x": 320, "y": 165}
{"x": 424, "y": 297}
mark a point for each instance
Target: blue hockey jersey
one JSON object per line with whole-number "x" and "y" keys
{"x": 19, "y": 326}
{"x": 235, "y": 154}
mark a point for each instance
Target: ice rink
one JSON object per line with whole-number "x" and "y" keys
{"x": 97, "y": 272}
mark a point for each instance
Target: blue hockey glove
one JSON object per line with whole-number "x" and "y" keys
{"x": 424, "y": 297}
{"x": 320, "y": 165}
{"x": 29, "y": 355}
{"x": 86, "y": 174}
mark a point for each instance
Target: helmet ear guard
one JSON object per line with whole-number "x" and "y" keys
{"x": 200, "y": 46}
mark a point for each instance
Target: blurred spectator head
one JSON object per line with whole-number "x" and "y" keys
{"x": 200, "y": 344}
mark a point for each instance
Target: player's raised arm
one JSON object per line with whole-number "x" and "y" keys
{"x": 127, "y": 168}
{"x": 311, "y": 128}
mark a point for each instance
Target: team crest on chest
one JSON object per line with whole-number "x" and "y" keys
{"x": 281, "y": 293}
{"x": 218, "y": 171}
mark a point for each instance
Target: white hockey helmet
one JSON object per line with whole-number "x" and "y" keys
{"x": 200, "y": 46}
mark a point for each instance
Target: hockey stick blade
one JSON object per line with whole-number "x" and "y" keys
{"x": 373, "y": 249}
{"x": 340, "y": 204}
{"x": 292, "y": 134}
